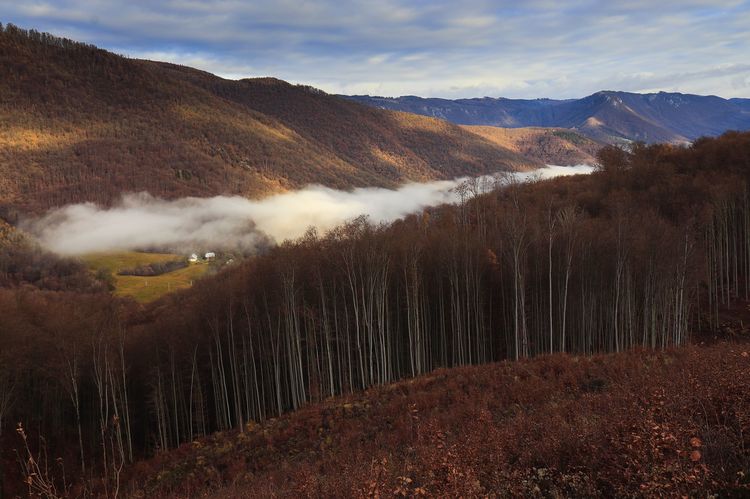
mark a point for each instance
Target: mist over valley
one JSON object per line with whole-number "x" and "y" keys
{"x": 226, "y": 223}
{"x": 323, "y": 249}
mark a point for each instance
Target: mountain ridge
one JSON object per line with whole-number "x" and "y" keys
{"x": 78, "y": 123}
{"x": 608, "y": 115}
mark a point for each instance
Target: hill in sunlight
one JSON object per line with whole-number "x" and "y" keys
{"x": 551, "y": 146}
{"x": 78, "y": 123}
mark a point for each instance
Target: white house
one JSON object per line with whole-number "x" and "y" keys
{"x": 210, "y": 255}
{"x": 193, "y": 258}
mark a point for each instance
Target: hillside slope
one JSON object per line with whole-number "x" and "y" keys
{"x": 629, "y": 424}
{"x": 438, "y": 289}
{"x": 607, "y": 116}
{"x": 24, "y": 263}
{"x": 551, "y": 146}
{"x": 81, "y": 124}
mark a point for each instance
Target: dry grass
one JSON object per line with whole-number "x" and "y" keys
{"x": 147, "y": 289}
{"x": 120, "y": 260}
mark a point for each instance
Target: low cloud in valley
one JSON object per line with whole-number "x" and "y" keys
{"x": 141, "y": 221}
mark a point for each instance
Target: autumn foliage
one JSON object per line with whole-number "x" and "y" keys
{"x": 78, "y": 123}
{"x": 640, "y": 423}
{"x": 551, "y": 146}
{"x": 641, "y": 258}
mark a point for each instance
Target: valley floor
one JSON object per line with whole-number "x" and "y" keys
{"x": 638, "y": 423}
{"x": 144, "y": 288}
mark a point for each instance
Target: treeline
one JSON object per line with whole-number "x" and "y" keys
{"x": 22, "y": 35}
{"x": 156, "y": 268}
{"x": 640, "y": 254}
{"x": 23, "y": 262}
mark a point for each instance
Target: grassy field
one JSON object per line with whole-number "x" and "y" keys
{"x": 144, "y": 289}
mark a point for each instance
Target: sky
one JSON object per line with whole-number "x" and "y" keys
{"x": 431, "y": 48}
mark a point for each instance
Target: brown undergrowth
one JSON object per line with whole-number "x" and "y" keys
{"x": 636, "y": 423}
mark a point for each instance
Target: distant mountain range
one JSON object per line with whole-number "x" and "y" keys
{"x": 606, "y": 116}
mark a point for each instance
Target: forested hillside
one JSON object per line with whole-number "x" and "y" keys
{"x": 24, "y": 262}
{"x": 78, "y": 123}
{"x": 645, "y": 253}
{"x": 551, "y": 146}
{"x": 634, "y": 424}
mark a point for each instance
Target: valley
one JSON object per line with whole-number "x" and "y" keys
{"x": 295, "y": 354}
{"x": 144, "y": 289}
{"x": 218, "y": 283}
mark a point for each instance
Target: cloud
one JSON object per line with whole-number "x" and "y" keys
{"x": 538, "y": 48}
{"x": 140, "y": 221}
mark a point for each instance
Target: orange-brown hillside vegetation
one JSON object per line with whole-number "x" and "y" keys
{"x": 639, "y": 259}
{"x": 78, "y": 123}
{"x": 24, "y": 263}
{"x": 632, "y": 424}
{"x": 552, "y": 146}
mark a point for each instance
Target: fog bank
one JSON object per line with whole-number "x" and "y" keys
{"x": 185, "y": 225}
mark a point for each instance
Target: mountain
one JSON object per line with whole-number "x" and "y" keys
{"x": 743, "y": 103}
{"x": 607, "y": 116}
{"x": 558, "y": 146}
{"x": 78, "y": 123}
